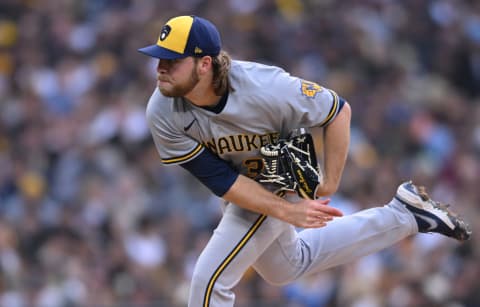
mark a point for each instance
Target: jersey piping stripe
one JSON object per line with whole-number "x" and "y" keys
{"x": 333, "y": 110}
{"x": 230, "y": 257}
{"x": 185, "y": 157}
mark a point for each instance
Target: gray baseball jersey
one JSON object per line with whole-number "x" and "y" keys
{"x": 266, "y": 104}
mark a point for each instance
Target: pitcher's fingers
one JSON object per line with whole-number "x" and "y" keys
{"x": 317, "y": 224}
{"x": 319, "y": 218}
{"x": 325, "y": 218}
{"x": 328, "y": 210}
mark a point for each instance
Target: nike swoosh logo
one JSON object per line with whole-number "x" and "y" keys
{"x": 433, "y": 224}
{"x": 186, "y": 128}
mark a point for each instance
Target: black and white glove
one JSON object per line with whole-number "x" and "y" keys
{"x": 290, "y": 165}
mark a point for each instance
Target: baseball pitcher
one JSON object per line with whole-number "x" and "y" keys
{"x": 239, "y": 128}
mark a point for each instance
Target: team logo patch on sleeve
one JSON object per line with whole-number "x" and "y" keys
{"x": 310, "y": 89}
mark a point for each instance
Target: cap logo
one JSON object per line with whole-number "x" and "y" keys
{"x": 198, "y": 50}
{"x": 165, "y": 31}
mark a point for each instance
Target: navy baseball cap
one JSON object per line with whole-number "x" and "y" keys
{"x": 185, "y": 36}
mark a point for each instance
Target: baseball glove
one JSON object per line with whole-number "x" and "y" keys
{"x": 290, "y": 165}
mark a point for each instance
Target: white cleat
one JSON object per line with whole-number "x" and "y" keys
{"x": 432, "y": 216}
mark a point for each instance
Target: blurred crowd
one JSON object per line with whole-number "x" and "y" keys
{"x": 90, "y": 217}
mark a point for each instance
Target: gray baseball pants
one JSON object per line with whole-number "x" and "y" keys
{"x": 281, "y": 255}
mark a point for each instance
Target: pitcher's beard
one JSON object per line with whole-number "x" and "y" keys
{"x": 180, "y": 90}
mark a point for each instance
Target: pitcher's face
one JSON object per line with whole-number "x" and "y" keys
{"x": 176, "y": 78}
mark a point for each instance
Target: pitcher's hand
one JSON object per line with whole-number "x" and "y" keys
{"x": 308, "y": 213}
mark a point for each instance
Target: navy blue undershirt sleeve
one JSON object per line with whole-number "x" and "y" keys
{"x": 215, "y": 173}
{"x": 341, "y": 102}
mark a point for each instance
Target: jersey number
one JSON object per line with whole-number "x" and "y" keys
{"x": 254, "y": 166}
